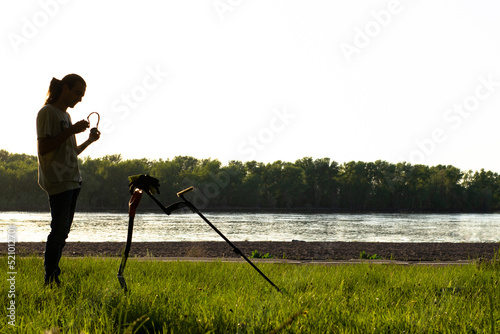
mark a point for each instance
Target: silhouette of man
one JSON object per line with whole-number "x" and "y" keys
{"x": 58, "y": 171}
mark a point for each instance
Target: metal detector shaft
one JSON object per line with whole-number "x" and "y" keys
{"x": 125, "y": 253}
{"x": 235, "y": 249}
{"x": 164, "y": 209}
{"x": 132, "y": 206}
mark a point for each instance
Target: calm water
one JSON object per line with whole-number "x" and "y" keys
{"x": 32, "y": 226}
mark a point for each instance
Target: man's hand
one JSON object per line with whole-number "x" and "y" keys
{"x": 94, "y": 135}
{"x": 79, "y": 126}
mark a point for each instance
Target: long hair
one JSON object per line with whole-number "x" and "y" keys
{"x": 56, "y": 86}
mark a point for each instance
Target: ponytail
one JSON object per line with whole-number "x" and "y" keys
{"x": 56, "y": 86}
{"x": 54, "y": 92}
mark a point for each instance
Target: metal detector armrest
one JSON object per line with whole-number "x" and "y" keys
{"x": 182, "y": 192}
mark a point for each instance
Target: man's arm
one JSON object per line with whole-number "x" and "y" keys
{"x": 83, "y": 146}
{"x": 49, "y": 144}
{"x": 92, "y": 138}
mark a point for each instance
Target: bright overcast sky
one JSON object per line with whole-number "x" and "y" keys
{"x": 264, "y": 80}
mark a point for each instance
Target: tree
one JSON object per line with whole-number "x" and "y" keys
{"x": 383, "y": 185}
{"x": 306, "y": 183}
{"x": 291, "y": 186}
{"x": 253, "y": 184}
{"x": 355, "y": 185}
{"x": 320, "y": 182}
{"x": 230, "y": 179}
{"x": 482, "y": 190}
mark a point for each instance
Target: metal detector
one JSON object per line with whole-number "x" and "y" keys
{"x": 150, "y": 185}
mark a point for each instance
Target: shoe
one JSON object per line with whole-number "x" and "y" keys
{"x": 51, "y": 280}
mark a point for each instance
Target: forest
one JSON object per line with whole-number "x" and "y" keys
{"x": 316, "y": 185}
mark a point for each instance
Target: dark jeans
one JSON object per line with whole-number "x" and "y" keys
{"x": 62, "y": 210}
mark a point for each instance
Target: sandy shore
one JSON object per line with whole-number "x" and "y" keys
{"x": 297, "y": 250}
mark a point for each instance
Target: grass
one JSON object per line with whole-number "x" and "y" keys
{"x": 364, "y": 256}
{"x": 257, "y": 255}
{"x": 221, "y": 297}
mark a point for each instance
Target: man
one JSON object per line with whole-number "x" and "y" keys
{"x": 58, "y": 172}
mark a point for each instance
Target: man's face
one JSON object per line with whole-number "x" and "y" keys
{"x": 74, "y": 95}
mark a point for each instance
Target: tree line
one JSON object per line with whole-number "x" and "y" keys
{"x": 306, "y": 184}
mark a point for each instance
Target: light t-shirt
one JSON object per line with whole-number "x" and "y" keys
{"x": 57, "y": 170}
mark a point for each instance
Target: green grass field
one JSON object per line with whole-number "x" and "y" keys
{"x": 221, "y": 297}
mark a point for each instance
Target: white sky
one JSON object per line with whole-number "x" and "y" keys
{"x": 263, "y": 80}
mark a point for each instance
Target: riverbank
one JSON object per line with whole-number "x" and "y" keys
{"x": 295, "y": 250}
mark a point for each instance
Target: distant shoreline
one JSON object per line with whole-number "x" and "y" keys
{"x": 296, "y": 250}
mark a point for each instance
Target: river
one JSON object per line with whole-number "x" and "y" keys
{"x": 378, "y": 227}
